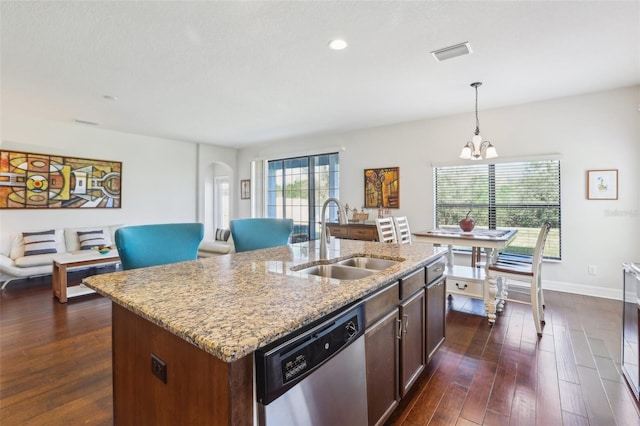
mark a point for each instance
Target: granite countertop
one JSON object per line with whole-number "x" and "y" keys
{"x": 231, "y": 305}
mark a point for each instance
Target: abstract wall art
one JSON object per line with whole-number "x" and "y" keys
{"x": 42, "y": 181}
{"x": 382, "y": 188}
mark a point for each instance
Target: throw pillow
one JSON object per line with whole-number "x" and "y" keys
{"x": 91, "y": 239}
{"x": 39, "y": 242}
{"x": 222, "y": 234}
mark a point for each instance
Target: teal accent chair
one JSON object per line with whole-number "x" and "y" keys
{"x": 150, "y": 245}
{"x": 259, "y": 233}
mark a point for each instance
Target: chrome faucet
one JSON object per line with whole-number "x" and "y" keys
{"x": 342, "y": 219}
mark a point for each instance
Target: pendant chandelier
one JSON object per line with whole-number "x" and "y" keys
{"x": 476, "y": 148}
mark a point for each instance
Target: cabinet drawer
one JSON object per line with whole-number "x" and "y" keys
{"x": 411, "y": 283}
{"x": 339, "y": 232}
{"x": 368, "y": 234}
{"x": 466, "y": 287}
{"x": 380, "y": 304}
{"x": 436, "y": 270}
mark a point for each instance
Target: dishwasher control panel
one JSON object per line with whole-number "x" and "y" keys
{"x": 318, "y": 348}
{"x": 282, "y": 365}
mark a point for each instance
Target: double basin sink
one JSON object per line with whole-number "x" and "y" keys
{"x": 353, "y": 268}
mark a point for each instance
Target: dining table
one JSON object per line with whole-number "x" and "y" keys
{"x": 468, "y": 280}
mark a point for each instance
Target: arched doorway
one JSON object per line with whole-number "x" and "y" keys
{"x": 217, "y": 198}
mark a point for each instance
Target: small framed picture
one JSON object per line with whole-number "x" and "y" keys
{"x": 245, "y": 189}
{"x": 602, "y": 184}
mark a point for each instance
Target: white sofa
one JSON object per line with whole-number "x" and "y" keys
{"x": 14, "y": 264}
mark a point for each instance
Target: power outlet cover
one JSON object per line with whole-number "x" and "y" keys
{"x": 159, "y": 368}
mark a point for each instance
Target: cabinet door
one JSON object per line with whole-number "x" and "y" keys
{"x": 436, "y": 306}
{"x": 412, "y": 344}
{"x": 381, "y": 347}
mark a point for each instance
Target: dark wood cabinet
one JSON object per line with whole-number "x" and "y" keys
{"x": 199, "y": 388}
{"x": 412, "y": 343}
{"x": 436, "y": 309}
{"x": 383, "y": 367}
{"x": 354, "y": 231}
{"x": 404, "y": 327}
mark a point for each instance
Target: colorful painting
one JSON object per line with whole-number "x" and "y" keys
{"x": 382, "y": 188}
{"x": 42, "y": 181}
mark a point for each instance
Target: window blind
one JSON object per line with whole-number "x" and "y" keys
{"x": 521, "y": 195}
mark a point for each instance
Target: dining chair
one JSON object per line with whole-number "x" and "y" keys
{"x": 403, "y": 234}
{"x": 149, "y": 245}
{"x": 259, "y": 233}
{"x": 386, "y": 230}
{"x": 525, "y": 269}
{"x": 476, "y": 257}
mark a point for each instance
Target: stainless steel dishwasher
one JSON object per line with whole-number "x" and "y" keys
{"x": 630, "y": 326}
{"x": 316, "y": 376}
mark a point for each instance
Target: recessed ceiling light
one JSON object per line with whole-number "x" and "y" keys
{"x": 337, "y": 44}
{"x": 452, "y": 51}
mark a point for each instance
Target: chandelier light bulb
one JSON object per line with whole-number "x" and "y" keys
{"x": 466, "y": 153}
{"x": 490, "y": 152}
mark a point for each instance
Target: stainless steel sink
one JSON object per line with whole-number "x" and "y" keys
{"x": 340, "y": 272}
{"x": 368, "y": 263}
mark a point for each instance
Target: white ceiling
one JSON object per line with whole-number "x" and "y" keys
{"x": 242, "y": 72}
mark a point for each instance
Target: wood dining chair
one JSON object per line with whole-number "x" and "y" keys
{"x": 476, "y": 257}
{"x": 403, "y": 234}
{"x": 386, "y": 230}
{"x": 525, "y": 269}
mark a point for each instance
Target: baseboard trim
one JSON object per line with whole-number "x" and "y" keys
{"x": 585, "y": 290}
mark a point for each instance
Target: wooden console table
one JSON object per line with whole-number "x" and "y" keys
{"x": 66, "y": 261}
{"x": 354, "y": 231}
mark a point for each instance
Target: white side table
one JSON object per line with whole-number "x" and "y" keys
{"x": 67, "y": 261}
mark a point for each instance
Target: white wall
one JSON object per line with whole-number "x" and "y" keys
{"x": 163, "y": 179}
{"x": 594, "y": 131}
{"x": 159, "y": 176}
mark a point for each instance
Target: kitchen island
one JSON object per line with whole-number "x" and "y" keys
{"x": 202, "y": 321}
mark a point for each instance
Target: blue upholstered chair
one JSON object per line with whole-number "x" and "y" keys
{"x": 258, "y": 233}
{"x": 149, "y": 245}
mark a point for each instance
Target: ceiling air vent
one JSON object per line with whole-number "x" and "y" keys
{"x": 452, "y": 51}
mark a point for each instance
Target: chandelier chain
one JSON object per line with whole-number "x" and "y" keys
{"x": 477, "y": 120}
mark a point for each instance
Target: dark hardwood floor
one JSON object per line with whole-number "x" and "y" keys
{"x": 55, "y": 364}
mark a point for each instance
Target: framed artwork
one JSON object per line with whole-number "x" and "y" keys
{"x": 602, "y": 184}
{"x": 245, "y": 189}
{"x": 382, "y": 188}
{"x": 42, "y": 181}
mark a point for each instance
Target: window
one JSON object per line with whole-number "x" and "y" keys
{"x": 519, "y": 195}
{"x": 296, "y": 189}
